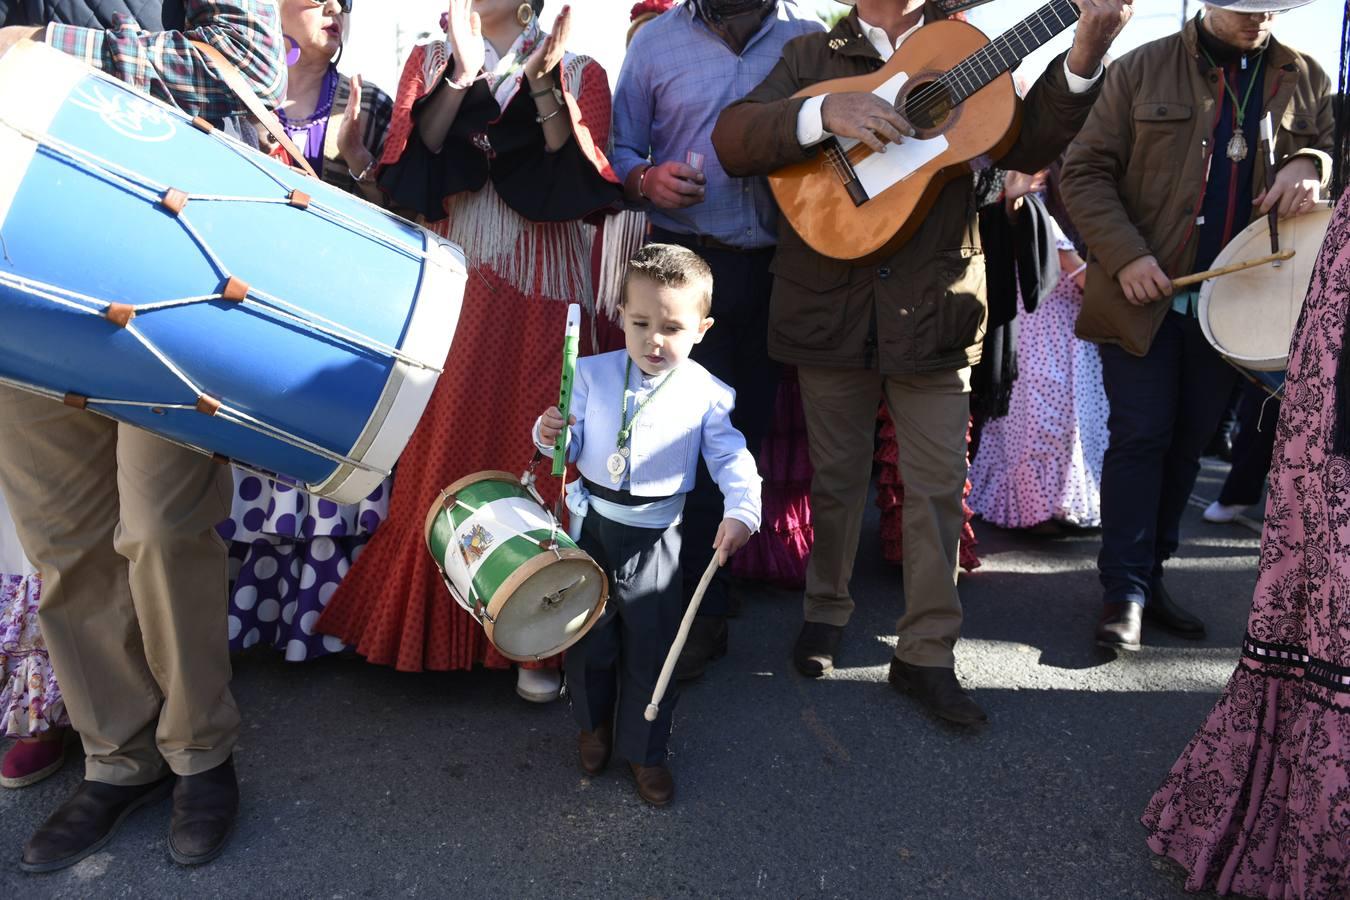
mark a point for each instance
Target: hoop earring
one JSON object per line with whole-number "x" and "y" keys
{"x": 337, "y": 59}
{"x": 525, "y": 14}
{"x": 292, "y": 50}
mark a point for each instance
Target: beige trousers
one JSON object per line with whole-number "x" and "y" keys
{"x": 134, "y": 605}
{"x": 931, "y": 414}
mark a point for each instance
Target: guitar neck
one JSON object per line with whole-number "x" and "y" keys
{"x": 1005, "y": 52}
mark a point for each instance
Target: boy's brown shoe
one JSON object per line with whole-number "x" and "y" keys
{"x": 654, "y": 784}
{"x": 594, "y": 747}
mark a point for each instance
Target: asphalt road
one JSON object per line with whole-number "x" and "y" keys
{"x": 362, "y": 782}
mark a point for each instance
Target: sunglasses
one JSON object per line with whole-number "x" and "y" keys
{"x": 345, "y": 5}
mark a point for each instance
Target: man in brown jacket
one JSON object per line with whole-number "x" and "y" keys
{"x": 1166, "y": 171}
{"x": 907, "y": 329}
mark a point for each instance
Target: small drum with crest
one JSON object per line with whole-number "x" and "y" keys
{"x": 158, "y": 272}
{"x": 1249, "y": 316}
{"x": 509, "y": 562}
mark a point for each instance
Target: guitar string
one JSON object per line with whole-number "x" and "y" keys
{"x": 933, "y": 94}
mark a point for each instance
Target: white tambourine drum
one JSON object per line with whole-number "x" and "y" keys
{"x": 1249, "y": 316}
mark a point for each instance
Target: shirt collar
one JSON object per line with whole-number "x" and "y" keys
{"x": 879, "y": 39}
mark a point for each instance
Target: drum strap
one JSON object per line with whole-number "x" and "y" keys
{"x": 236, "y": 82}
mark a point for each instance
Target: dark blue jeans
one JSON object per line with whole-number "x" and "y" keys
{"x": 736, "y": 350}
{"x": 1164, "y": 409}
{"x": 1253, "y": 447}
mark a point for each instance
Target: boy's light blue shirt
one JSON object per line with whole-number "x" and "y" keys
{"x": 690, "y": 416}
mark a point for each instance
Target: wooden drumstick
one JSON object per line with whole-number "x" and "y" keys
{"x": 674, "y": 655}
{"x": 1188, "y": 280}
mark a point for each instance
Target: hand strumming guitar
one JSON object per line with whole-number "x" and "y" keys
{"x": 864, "y": 117}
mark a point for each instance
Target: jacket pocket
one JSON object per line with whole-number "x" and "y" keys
{"x": 1301, "y": 123}
{"x": 1162, "y": 134}
{"x": 959, "y": 293}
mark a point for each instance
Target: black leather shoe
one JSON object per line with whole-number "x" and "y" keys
{"x": 204, "y": 809}
{"x": 1162, "y": 611}
{"x": 707, "y": 641}
{"x": 1120, "y": 625}
{"x": 85, "y": 823}
{"x": 816, "y": 646}
{"x": 938, "y": 690}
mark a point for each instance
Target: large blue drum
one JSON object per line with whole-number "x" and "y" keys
{"x": 156, "y": 271}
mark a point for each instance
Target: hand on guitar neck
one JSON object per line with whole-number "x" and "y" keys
{"x": 1098, "y": 24}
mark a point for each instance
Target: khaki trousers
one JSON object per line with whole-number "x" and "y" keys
{"x": 133, "y": 609}
{"x": 931, "y": 414}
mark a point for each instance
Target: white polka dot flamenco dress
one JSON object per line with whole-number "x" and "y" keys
{"x": 1043, "y": 460}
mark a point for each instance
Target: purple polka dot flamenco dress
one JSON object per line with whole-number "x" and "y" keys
{"x": 289, "y": 550}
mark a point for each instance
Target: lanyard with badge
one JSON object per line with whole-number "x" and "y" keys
{"x": 617, "y": 464}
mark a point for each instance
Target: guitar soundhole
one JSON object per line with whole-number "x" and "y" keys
{"x": 928, "y": 106}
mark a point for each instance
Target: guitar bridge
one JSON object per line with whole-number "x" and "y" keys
{"x": 838, "y": 161}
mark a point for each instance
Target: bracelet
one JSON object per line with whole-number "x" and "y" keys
{"x": 364, "y": 177}
{"x": 542, "y": 119}
{"x": 548, "y": 92}
{"x": 459, "y": 86}
{"x": 642, "y": 178}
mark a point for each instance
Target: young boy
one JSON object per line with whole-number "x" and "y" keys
{"x": 641, "y": 418}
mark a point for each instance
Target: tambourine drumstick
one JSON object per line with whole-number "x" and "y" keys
{"x": 1273, "y": 217}
{"x": 674, "y": 655}
{"x": 1188, "y": 280}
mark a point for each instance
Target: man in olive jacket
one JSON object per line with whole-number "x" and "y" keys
{"x": 1167, "y": 170}
{"x": 907, "y": 329}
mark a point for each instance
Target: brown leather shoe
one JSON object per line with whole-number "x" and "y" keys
{"x": 1120, "y": 625}
{"x": 654, "y": 783}
{"x": 85, "y": 823}
{"x": 205, "y": 806}
{"x": 594, "y": 747}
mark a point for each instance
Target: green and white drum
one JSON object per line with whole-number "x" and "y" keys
{"x": 510, "y": 563}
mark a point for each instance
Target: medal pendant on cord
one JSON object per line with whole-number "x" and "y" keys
{"x": 1237, "y": 147}
{"x": 617, "y": 464}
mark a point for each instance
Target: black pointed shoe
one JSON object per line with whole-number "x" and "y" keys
{"x": 816, "y": 646}
{"x": 1164, "y": 612}
{"x": 938, "y": 690}
{"x": 205, "y": 807}
{"x": 1120, "y": 625}
{"x": 85, "y": 823}
{"x": 707, "y": 641}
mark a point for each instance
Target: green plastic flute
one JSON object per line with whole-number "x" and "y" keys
{"x": 571, "y": 339}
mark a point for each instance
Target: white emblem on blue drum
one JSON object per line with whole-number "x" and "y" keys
{"x": 125, "y": 113}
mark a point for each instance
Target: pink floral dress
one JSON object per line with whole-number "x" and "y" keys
{"x": 1259, "y": 802}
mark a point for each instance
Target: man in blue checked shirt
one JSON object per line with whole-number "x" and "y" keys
{"x": 681, "y": 71}
{"x": 120, "y": 523}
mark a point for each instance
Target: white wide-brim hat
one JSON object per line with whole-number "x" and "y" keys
{"x": 1257, "y": 6}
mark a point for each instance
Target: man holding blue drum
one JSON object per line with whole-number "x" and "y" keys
{"x": 121, "y": 523}
{"x": 1169, "y": 168}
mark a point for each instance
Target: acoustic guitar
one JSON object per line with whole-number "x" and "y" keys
{"x": 953, "y": 85}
